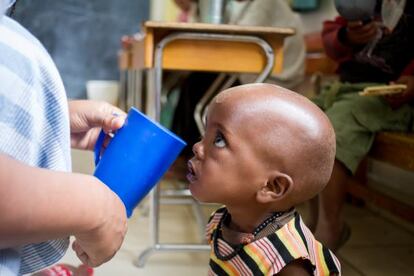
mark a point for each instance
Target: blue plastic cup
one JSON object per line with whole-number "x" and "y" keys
{"x": 136, "y": 158}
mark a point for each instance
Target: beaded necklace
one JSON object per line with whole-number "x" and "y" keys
{"x": 237, "y": 248}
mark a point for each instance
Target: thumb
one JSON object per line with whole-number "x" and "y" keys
{"x": 82, "y": 255}
{"x": 112, "y": 123}
{"x": 87, "y": 114}
{"x": 100, "y": 111}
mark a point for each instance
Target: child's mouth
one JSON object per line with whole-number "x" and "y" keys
{"x": 191, "y": 175}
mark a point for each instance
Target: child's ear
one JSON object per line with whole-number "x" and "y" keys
{"x": 277, "y": 186}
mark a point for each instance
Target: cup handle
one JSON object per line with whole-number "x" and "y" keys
{"x": 98, "y": 146}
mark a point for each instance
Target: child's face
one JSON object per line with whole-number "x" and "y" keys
{"x": 260, "y": 148}
{"x": 226, "y": 168}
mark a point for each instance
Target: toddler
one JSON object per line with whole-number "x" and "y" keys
{"x": 266, "y": 149}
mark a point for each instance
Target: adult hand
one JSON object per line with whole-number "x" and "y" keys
{"x": 397, "y": 100}
{"x": 87, "y": 118}
{"x": 358, "y": 33}
{"x": 100, "y": 243}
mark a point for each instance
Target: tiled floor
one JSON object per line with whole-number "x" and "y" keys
{"x": 378, "y": 245}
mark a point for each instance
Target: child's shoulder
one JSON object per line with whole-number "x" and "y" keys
{"x": 214, "y": 221}
{"x": 217, "y": 214}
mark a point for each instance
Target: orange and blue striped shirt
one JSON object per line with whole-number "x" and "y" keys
{"x": 270, "y": 254}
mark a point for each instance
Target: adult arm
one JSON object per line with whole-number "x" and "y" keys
{"x": 341, "y": 38}
{"x": 56, "y": 205}
{"x": 397, "y": 100}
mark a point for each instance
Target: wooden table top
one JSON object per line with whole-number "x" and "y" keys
{"x": 218, "y": 28}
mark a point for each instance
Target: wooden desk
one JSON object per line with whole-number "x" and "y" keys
{"x": 205, "y": 55}
{"x": 197, "y": 47}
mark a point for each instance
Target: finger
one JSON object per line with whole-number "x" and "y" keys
{"x": 82, "y": 255}
{"x": 366, "y": 37}
{"x": 366, "y": 30}
{"x": 106, "y": 142}
{"x": 76, "y": 247}
{"x": 118, "y": 122}
{"x": 91, "y": 137}
{"x": 99, "y": 111}
{"x": 371, "y": 32}
{"x": 371, "y": 26}
{"x": 116, "y": 110}
{"x": 354, "y": 24}
{"x": 402, "y": 81}
{"x": 112, "y": 123}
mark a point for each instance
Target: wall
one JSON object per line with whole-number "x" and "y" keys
{"x": 83, "y": 37}
{"x": 163, "y": 10}
{"x": 312, "y": 20}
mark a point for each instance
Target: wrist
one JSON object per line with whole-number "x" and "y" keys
{"x": 101, "y": 201}
{"x": 343, "y": 38}
{"x": 95, "y": 196}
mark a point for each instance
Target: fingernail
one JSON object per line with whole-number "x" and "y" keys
{"x": 115, "y": 114}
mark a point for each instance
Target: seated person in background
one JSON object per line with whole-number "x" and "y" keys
{"x": 269, "y": 13}
{"x": 357, "y": 119}
{"x": 266, "y": 150}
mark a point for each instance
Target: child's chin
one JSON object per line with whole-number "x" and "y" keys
{"x": 196, "y": 193}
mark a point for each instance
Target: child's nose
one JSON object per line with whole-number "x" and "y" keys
{"x": 198, "y": 150}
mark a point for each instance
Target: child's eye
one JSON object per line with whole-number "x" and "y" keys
{"x": 219, "y": 140}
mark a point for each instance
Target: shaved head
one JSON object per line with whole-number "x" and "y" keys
{"x": 288, "y": 132}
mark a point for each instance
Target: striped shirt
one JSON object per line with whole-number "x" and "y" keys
{"x": 270, "y": 254}
{"x": 34, "y": 128}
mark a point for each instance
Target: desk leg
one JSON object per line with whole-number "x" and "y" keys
{"x": 132, "y": 84}
{"x": 138, "y": 87}
{"x": 131, "y": 89}
{"x": 150, "y": 98}
{"x": 123, "y": 89}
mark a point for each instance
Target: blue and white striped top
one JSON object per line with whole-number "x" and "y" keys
{"x": 34, "y": 127}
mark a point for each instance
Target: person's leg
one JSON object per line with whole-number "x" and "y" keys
{"x": 355, "y": 119}
{"x": 330, "y": 221}
{"x": 353, "y": 141}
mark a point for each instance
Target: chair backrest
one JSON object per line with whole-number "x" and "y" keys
{"x": 316, "y": 59}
